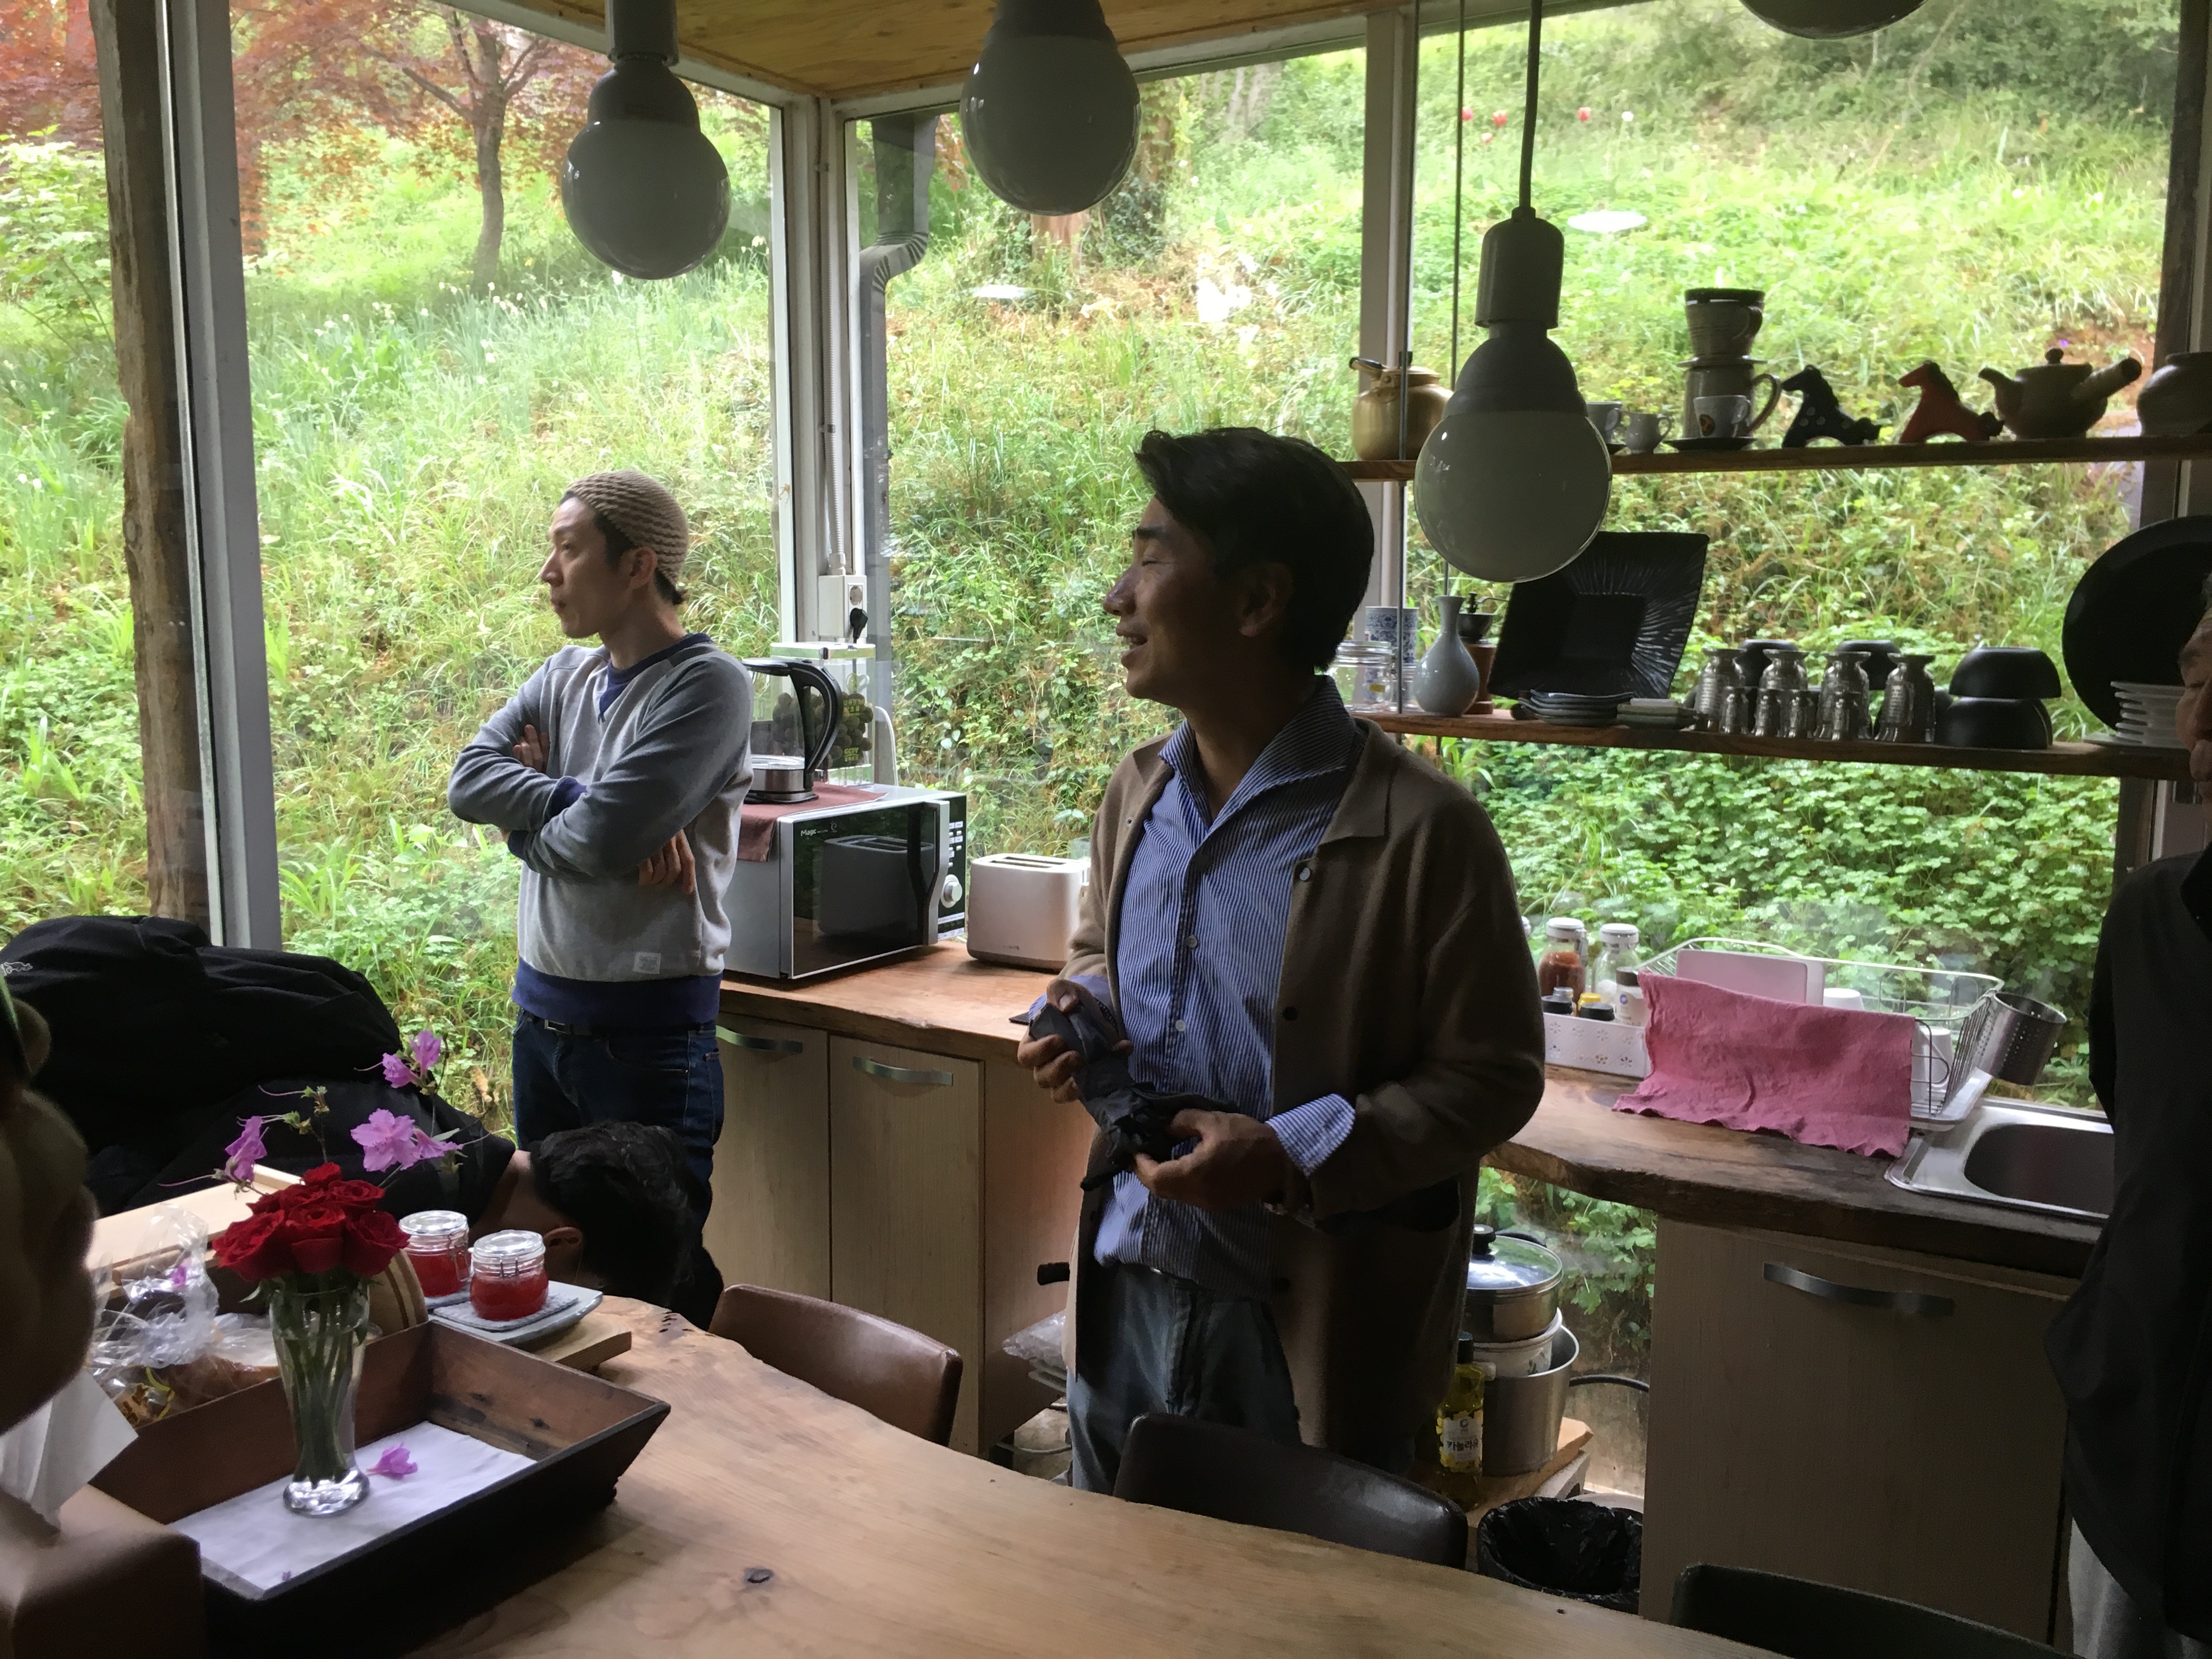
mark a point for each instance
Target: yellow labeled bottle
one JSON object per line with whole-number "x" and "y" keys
{"x": 1459, "y": 1423}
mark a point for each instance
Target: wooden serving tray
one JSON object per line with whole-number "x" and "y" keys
{"x": 579, "y": 1431}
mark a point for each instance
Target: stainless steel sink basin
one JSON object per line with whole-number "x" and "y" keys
{"x": 2018, "y": 1153}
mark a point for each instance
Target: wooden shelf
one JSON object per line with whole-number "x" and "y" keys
{"x": 1834, "y": 457}
{"x": 2072, "y": 760}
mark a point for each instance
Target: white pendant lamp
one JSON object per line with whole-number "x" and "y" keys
{"x": 1830, "y": 20}
{"x": 644, "y": 189}
{"x": 1513, "y": 482}
{"x": 1049, "y": 111}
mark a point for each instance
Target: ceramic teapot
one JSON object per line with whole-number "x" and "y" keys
{"x": 2057, "y": 398}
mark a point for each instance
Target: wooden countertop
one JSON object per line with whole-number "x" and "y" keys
{"x": 881, "y": 1544}
{"x": 946, "y": 1002}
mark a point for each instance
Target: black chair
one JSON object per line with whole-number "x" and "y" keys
{"x": 1235, "y": 1474}
{"x": 1801, "y": 1619}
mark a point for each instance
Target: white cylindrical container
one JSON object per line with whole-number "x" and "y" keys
{"x": 1526, "y": 1357}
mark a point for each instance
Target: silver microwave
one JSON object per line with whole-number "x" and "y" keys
{"x": 851, "y": 883}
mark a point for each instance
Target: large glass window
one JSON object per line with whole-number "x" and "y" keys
{"x": 1973, "y": 185}
{"x": 1218, "y": 285}
{"x": 434, "y": 357}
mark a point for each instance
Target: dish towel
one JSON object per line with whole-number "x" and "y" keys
{"x": 1828, "y": 1077}
{"x": 756, "y": 819}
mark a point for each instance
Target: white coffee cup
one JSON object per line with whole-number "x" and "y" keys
{"x": 1722, "y": 418}
{"x": 1641, "y": 430}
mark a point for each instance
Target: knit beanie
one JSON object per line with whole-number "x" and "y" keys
{"x": 643, "y": 510}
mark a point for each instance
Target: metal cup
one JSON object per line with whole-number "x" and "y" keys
{"x": 2008, "y": 1036}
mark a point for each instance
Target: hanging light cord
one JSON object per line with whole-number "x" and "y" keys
{"x": 1459, "y": 167}
{"x": 1528, "y": 115}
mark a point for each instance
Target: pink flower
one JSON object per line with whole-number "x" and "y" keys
{"x": 394, "y": 1465}
{"x": 1487, "y": 137}
{"x": 1465, "y": 113}
{"x": 246, "y": 1152}
{"x": 397, "y": 1074}
{"x": 428, "y": 1050}
{"x": 1583, "y": 114}
{"x": 387, "y": 1142}
{"x": 426, "y": 1145}
{"x": 1499, "y": 118}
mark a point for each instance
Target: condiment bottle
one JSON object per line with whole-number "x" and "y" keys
{"x": 1459, "y": 1423}
{"x": 507, "y": 1277}
{"x": 1632, "y": 1008}
{"x": 1616, "y": 950}
{"x": 438, "y": 1251}
{"x": 1561, "y": 967}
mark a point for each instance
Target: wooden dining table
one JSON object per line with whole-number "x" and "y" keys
{"x": 767, "y": 1518}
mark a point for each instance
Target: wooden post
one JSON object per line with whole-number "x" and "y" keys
{"x": 156, "y": 541}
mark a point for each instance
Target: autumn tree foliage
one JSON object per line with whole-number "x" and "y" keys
{"x": 49, "y": 79}
{"x": 479, "y": 93}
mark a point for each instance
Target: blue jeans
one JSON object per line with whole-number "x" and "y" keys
{"x": 673, "y": 1078}
{"x": 1164, "y": 1344}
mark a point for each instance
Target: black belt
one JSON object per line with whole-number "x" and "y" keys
{"x": 560, "y": 1029}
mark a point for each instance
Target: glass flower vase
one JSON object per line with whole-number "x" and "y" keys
{"x": 319, "y": 1336}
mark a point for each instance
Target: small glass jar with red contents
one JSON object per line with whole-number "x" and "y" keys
{"x": 507, "y": 1279}
{"x": 438, "y": 1251}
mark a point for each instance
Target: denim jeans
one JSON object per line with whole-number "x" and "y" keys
{"x": 673, "y": 1078}
{"x": 1164, "y": 1344}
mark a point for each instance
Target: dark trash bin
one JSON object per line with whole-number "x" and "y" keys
{"x": 1565, "y": 1547}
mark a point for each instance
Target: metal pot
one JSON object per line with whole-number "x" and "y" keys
{"x": 1512, "y": 1287}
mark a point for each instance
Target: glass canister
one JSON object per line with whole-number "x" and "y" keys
{"x": 1365, "y": 677}
{"x": 1616, "y": 954}
{"x": 1561, "y": 967}
{"x": 507, "y": 1277}
{"x": 438, "y": 1251}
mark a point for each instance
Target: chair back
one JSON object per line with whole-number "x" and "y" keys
{"x": 1236, "y": 1475}
{"x": 910, "y": 1381}
{"x": 1801, "y": 1619}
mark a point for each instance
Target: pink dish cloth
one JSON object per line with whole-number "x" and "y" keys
{"x": 1826, "y": 1077}
{"x": 756, "y": 819}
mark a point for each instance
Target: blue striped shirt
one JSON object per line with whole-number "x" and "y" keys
{"x": 1199, "y": 957}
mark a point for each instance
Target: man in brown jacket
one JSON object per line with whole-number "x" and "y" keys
{"x": 1300, "y": 921}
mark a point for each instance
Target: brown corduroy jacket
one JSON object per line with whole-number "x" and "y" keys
{"x": 1407, "y": 988}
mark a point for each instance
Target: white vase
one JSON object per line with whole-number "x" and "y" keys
{"x": 1447, "y": 682}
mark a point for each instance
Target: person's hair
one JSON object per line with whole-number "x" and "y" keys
{"x": 627, "y": 1188}
{"x": 1254, "y": 498}
{"x": 618, "y": 544}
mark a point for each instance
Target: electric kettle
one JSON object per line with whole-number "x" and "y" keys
{"x": 780, "y": 775}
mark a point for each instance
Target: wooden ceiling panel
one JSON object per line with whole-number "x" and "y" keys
{"x": 843, "y": 48}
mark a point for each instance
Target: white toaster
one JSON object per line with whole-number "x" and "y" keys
{"x": 1022, "y": 908}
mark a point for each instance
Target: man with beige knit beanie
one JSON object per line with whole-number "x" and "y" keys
{"x": 617, "y": 772}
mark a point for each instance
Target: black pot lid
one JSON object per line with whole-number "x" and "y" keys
{"x": 1501, "y": 1266}
{"x": 2134, "y": 608}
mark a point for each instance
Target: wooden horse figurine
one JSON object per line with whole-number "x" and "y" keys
{"x": 1939, "y": 411}
{"x": 1819, "y": 415}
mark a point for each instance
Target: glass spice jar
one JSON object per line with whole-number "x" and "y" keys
{"x": 1561, "y": 967}
{"x": 438, "y": 1251}
{"x": 508, "y": 1277}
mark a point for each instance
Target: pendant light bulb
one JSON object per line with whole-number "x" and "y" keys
{"x": 1830, "y": 20}
{"x": 644, "y": 189}
{"x": 1514, "y": 480}
{"x": 1050, "y": 110}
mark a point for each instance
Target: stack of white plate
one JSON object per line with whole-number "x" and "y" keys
{"x": 2146, "y": 716}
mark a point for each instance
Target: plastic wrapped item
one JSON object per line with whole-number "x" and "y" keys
{"x": 156, "y": 1315}
{"x": 1565, "y": 1547}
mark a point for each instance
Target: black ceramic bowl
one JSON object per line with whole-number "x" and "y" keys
{"x": 1994, "y": 723}
{"x": 2006, "y": 671}
{"x": 1881, "y": 657}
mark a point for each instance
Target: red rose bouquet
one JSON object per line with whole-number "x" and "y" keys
{"x": 315, "y": 1247}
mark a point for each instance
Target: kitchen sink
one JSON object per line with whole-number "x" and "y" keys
{"x": 2018, "y": 1153}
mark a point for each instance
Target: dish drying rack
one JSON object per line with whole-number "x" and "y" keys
{"x": 1938, "y": 999}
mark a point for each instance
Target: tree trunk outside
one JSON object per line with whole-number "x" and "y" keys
{"x": 489, "y": 123}
{"x": 156, "y": 545}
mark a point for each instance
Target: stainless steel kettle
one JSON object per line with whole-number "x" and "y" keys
{"x": 783, "y": 778}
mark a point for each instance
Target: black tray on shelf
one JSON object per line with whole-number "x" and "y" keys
{"x": 1614, "y": 622}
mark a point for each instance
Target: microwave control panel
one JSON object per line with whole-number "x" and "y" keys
{"x": 953, "y": 889}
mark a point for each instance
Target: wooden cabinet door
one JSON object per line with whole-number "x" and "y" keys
{"x": 769, "y": 1222}
{"x": 1863, "y": 1417}
{"x": 905, "y": 1213}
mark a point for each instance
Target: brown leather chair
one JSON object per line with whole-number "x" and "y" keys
{"x": 1235, "y": 1474}
{"x": 901, "y": 1375}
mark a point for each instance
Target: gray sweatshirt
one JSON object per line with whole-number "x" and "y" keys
{"x": 668, "y": 751}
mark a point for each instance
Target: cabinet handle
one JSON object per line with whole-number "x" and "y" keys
{"x": 901, "y": 1073}
{"x": 759, "y": 1045}
{"x": 1904, "y": 1301}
